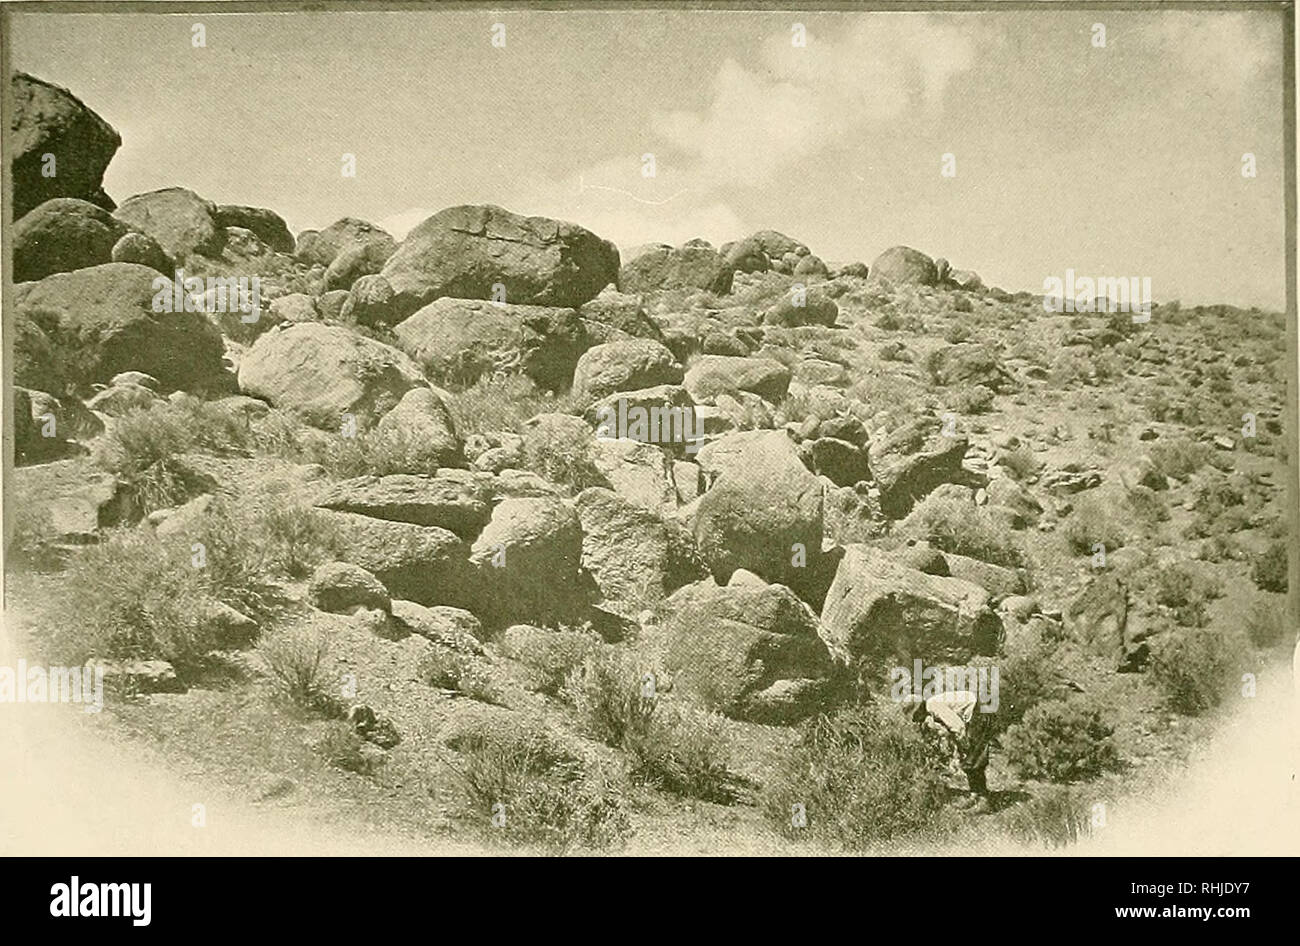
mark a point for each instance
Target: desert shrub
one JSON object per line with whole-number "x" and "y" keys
{"x": 1070, "y": 367}
{"x": 469, "y": 676}
{"x": 864, "y": 774}
{"x": 1055, "y": 817}
{"x": 1019, "y": 461}
{"x": 132, "y": 596}
{"x": 961, "y": 527}
{"x": 550, "y": 656}
{"x": 565, "y": 461}
{"x": 1094, "y": 520}
{"x": 1024, "y": 681}
{"x": 297, "y": 538}
{"x": 33, "y": 543}
{"x": 1147, "y": 505}
{"x": 1193, "y": 667}
{"x": 1185, "y": 591}
{"x": 143, "y": 448}
{"x": 344, "y": 748}
{"x": 538, "y": 793}
{"x": 960, "y": 330}
{"x": 294, "y": 658}
{"x": 685, "y": 752}
{"x": 973, "y": 399}
{"x": 617, "y": 702}
{"x": 498, "y": 402}
{"x": 1061, "y": 741}
{"x": 1178, "y": 458}
{"x": 1269, "y": 569}
{"x": 1266, "y": 622}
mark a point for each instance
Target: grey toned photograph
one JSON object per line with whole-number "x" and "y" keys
{"x": 648, "y": 430}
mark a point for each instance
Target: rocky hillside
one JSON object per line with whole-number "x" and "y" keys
{"x": 379, "y": 512}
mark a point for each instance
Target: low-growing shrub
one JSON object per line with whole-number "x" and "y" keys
{"x": 1055, "y": 817}
{"x": 342, "y": 747}
{"x": 1179, "y": 458}
{"x": 294, "y": 658}
{"x": 1061, "y": 741}
{"x": 143, "y": 448}
{"x": 1019, "y": 461}
{"x": 549, "y": 655}
{"x": 529, "y": 790}
{"x": 617, "y": 701}
{"x": 445, "y": 668}
{"x": 1094, "y": 521}
{"x": 1266, "y": 622}
{"x": 1194, "y": 667}
{"x": 1269, "y": 569}
{"x": 957, "y": 526}
{"x": 862, "y": 775}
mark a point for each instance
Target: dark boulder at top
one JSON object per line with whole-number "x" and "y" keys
{"x": 466, "y": 251}
{"x": 49, "y": 120}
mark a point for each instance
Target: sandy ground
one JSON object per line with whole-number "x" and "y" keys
{"x": 66, "y": 790}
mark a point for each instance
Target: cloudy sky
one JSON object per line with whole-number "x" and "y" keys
{"x": 1117, "y": 161}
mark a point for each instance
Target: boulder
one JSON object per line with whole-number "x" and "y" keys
{"x": 634, "y": 555}
{"x": 712, "y": 375}
{"x": 468, "y": 250}
{"x": 763, "y": 514}
{"x": 72, "y": 500}
{"x": 686, "y": 267}
{"x": 453, "y": 628}
{"x": 904, "y": 477}
{"x": 464, "y": 339}
{"x": 340, "y": 587}
{"x": 101, "y": 321}
{"x": 320, "y": 247}
{"x": 902, "y": 264}
{"x": 966, "y": 279}
{"x": 421, "y": 419}
{"x": 746, "y": 256}
{"x": 613, "y": 312}
{"x": 527, "y": 559}
{"x": 122, "y": 397}
{"x": 969, "y": 363}
{"x": 730, "y": 648}
{"x": 455, "y": 500}
{"x": 624, "y": 366}
{"x": 61, "y": 235}
{"x": 640, "y": 473}
{"x": 1101, "y": 619}
{"x": 880, "y": 614}
{"x": 330, "y": 304}
{"x": 999, "y": 581}
{"x": 776, "y": 245}
{"x": 267, "y": 224}
{"x": 136, "y": 247}
{"x": 322, "y": 372}
{"x": 49, "y": 120}
{"x": 178, "y": 220}
{"x": 803, "y": 307}
{"x": 811, "y": 266}
{"x": 424, "y": 564}
{"x": 841, "y": 462}
{"x": 360, "y": 258}
{"x": 369, "y": 302}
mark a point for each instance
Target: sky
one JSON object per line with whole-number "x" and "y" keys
{"x": 1118, "y": 161}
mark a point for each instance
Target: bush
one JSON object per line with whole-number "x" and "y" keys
{"x": 565, "y": 462}
{"x": 1061, "y": 741}
{"x": 549, "y": 655}
{"x": 143, "y": 448}
{"x": 294, "y": 658}
{"x": 1269, "y": 570}
{"x": 298, "y": 538}
{"x": 1019, "y": 461}
{"x": 132, "y": 597}
{"x": 862, "y": 775}
{"x": 495, "y": 403}
{"x": 469, "y": 676}
{"x": 1266, "y": 622}
{"x": 544, "y": 795}
{"x": 1055, "y": 817}
{"x": 1094, "y": 520}
{"x": 1184, "y": 591}
{"x": 1179, "y": 458}
{"x": 682, "y": 752}
{"x": 962, "y": 528}
{"x": 343, "y": 748}
{"x": 1193, "y": 667}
